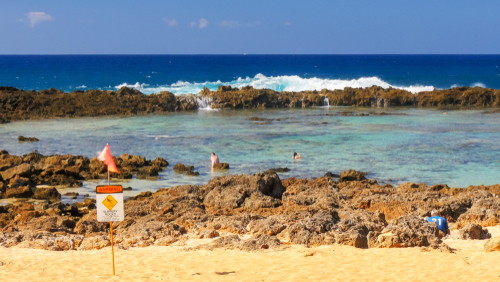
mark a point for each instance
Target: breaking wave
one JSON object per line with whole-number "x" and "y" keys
{"x": 278, "y": 83}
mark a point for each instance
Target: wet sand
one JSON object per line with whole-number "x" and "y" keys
{"x": 295, "y": 263}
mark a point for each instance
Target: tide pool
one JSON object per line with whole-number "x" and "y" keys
{"x": 459, "y": 149}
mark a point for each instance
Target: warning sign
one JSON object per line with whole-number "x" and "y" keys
{"x": 109, "y": 201}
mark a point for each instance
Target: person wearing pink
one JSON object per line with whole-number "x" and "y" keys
{"x": 214, "y": 159}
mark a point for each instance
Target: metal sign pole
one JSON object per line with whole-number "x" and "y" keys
{"x": 112, "y": 250}
{"x": 111, "y": 230}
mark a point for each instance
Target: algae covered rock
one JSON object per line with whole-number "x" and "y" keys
{"x": 331, "y": 175}
{"x": 46, "y": 193}
{"x": 181, "y": 168}
{"x": 192, "y": 173}
{"x": 352, "y": 175}
{"x": 27, "y": 139}
{"x": 221, "y": 166}
{"x": 277, "y": 170}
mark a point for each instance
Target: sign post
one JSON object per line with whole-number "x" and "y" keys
{"x": 109, "y": 202}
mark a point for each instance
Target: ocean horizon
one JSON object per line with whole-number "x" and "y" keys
{"x": 183, "y": 74}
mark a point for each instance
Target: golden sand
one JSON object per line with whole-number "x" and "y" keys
{"x": 296, "y": 263}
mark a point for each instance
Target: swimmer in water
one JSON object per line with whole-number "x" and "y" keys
{"x": 296, "y": 156}
{"x": 214, "y": 159}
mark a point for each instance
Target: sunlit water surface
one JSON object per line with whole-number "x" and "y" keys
{"x": 460, "y": 149}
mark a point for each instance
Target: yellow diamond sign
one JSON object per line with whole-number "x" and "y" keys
{"x": 109, "y": 202}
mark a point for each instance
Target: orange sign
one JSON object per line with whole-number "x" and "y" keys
{"x": 108, "y": 189}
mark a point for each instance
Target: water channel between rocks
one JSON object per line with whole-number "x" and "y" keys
{"x": 459, "y": 149}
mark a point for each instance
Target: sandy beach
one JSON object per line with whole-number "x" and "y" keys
{"x": 295, "y": 263}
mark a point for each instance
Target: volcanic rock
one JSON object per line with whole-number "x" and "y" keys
{"x": 332, "y": 175}
{"x": 474, "y": 232}
{"x": 22, "y": 105}
{"x": 263, "y": 208}
{"x": 407, "y": 231}
{"x": 312, "y": 196}
{"x": 231, "y": 191}
{"x": 21, "y": 192}
{"x": 192, "y": 173}
{"x": 352, "y": 175}
{"x": 221, "y": 166}
{"x": 7, "y": 161}
{"x": 46, "y": 193}
{"x": 24, "y": 170}
{"x": 27, "y": 139}
{"x": 17, "y": 182}
{"x": 485, "y": 212}
{"x": 159, "y": 161}
{"x": 277, "y": 170}
{"x": 180, "y": 168}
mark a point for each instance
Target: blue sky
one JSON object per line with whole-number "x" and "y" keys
{"x": 252, "y": 27}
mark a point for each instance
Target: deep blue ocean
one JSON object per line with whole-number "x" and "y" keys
{"x": 183, "y": 74}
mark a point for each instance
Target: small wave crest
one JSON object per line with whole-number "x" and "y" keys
{"x": 480, "y": 84}
{"x": 277, "y": 83}
{"x": 137, "y": 85}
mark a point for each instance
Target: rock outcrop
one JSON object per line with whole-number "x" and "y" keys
{"x": 18, "y": 104}
{"x": 221, "y": 166}
{"x": 352, "y": 175}
{"x": 19, "y": 176}
{"x": 252, "y": 212}
{"x": 474, "y": 232}
{"x": 277, "y": 170}
{"x": 27, "y": 139}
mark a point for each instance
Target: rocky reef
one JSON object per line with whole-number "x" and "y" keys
{"x": 375, "y": 96}
{"x": 16, "y": 104}
{"x": 27, "y": 139}
{"x": 262, "y": 211}
{"x": 20, "y": 175}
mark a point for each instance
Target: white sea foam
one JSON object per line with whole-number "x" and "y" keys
{"x": 137, "y": 85}
{"x": 278, "y": 83}
{"x": 81, "y": 86}
{"x": 480, "y": 84}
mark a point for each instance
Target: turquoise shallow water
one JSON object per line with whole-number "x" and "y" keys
{"x": 459, "y": 149}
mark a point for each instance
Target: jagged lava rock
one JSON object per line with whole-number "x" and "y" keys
{"x": 352, "y": 175}
{"x": 46, "y": 193}
{"x": 25, "y": 170}
{"x": 474, "y": 232}
{"x": 256, "y": 191}
{"x": 407, "y": 231}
